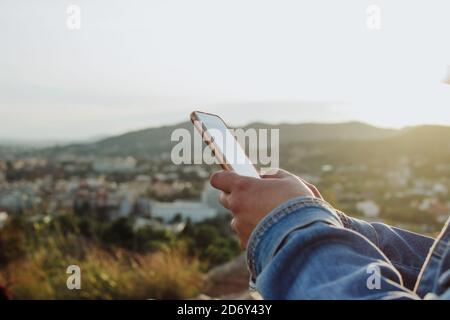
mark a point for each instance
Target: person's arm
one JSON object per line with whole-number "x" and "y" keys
{"x": 299, "y": 247}
{"x": 301, "y": 250}
{"x": 406, "y": 250}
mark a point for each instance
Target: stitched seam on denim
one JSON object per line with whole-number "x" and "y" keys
{"x": 426, "y": 265}
{"x": 344, "y": 219}
{"x": 303, "y": 203}
{"x": 432, "y": 255}
{"x": 436, "y": 275}
{"x": 437, "y": 251}
{"x": 441, "y": 247}
{"x": 439, "y": 269}
{"x": 443, "y": 242}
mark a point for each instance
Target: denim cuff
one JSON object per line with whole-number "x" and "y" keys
{"x": 273, "y": 229}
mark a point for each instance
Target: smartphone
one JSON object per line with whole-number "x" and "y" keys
{"x": 224, "y": 146}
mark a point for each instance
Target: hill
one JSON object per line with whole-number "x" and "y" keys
{"x": 155, "y": 141}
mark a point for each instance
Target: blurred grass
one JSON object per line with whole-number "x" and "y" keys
{"x": 106, "y": 273}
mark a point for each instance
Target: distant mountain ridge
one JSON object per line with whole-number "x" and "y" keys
{"x": 310, "y": 132}
{"x": 154, "y": 141}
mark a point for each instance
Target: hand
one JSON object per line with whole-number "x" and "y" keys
{"x": 250, "y": 199}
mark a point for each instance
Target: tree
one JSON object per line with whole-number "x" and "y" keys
{"x": 120, "y": 232}
{"x": 177, "y": 218}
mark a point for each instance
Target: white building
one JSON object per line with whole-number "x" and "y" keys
{"x": 207, "y": 207}
{"x": 3, "y": 218}
{"x": 121, "y": 165}
{"x": 368, "y": 208}
{"x": 196, "y": 211}
{"x": 141, "y": 223}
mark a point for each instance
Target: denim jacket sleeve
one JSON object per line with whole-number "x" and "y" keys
{"x": 302, "y": 250}
{"x": 407, "y": 251}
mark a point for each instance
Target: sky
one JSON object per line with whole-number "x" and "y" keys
{"x": 139, "y": 63}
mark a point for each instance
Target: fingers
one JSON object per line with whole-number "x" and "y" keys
{"x": 227, "y": 181}
{"x": 275, "y": 173}
{"x": 237, "y": 228}
{"x": 230, "y": 201}
{"x": 233, "y": 225}
{"x": 223, "y": 180}
{"x": 224, "y": 200}
{"x": 313, "y": 189}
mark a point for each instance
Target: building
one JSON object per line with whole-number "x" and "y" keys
{"x": 194, "y": 210}
{"x": 141, "y": 223}
{"x": 207, "y": 207}
{"x": 3, "y": 219}
{"x": 368, "y": 208}
{"x": 114, "y": 165}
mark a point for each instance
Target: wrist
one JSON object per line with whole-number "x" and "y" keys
{"x": 268, "y": 236}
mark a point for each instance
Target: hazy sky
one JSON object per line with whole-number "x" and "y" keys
{"x": 140, "y": 63}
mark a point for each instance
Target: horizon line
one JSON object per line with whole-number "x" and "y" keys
{"x": 11, "y": 142}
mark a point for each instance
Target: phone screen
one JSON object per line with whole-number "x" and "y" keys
{"x": 224, "y": 144}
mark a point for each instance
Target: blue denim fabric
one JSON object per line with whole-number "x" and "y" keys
{"x": 305, "y": 249}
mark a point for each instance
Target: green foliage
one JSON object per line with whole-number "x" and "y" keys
{"x": 117, "y": 261}
{"x": 221, "y": 251}
{"x": 120, "y": 232}
{"x": 12, "y": 243}
{"x": 113, "y": 274}
{"x": 34, "y": 263}
{"x": 206, "y": 241}
{"x": 148, "y": 239}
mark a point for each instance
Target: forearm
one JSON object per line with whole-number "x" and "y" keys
{"x": 302, "y": 250}
{"x": 406, "y": 250}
